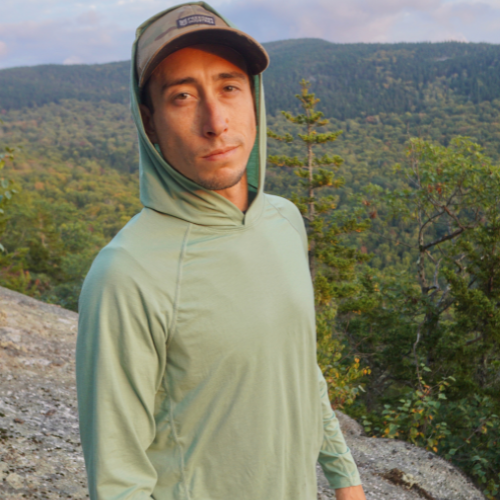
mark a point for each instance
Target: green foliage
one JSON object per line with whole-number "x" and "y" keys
{"x": 448, "y": 194}
{"x": 39, "y": 85}
{"x": 75, "y": 131}
{"x": 345, "y": 378}
{"x": 462, "y": 431}
{"x": 65, "y": 213}
{"x": 473, "y": 443}
{"x": 440, "y": 315}
{"x": 416, "y": 418}
{"x": 76, "y": 194}
{"x": 332, "y": 263}
{"x": 6, "y": 190}
{"x": 475, "y": 292}
{"x": 355, "y": 80}
{"x": 364, "y": 80}
{"x": 317, "y": 173}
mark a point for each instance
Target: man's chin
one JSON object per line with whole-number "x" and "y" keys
{"x": 221, "y": 180}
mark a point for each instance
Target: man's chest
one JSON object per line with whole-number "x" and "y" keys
{"x": 243, "y": 299}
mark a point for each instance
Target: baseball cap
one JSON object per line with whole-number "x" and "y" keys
{"x": 192, "y": 24}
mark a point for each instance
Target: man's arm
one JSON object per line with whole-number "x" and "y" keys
{"x": 335, "y": 457}
{"x": 351, "y": 493}
{"x": 119, "y": 369}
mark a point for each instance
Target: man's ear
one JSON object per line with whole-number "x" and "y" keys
{"x": 148, "y": 122}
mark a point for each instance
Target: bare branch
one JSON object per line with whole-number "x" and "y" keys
{"x": 442, "y": 239}
{"x": 431, "y": 257}
{"x": 431, "y": 218}
{"x": 436, "y": 272}
{"x": 473, "y": 341}
{"x": 442, "y": 299}
{"x": 453, "y": 216}
{"x": 416, "y": 358}
{"x": 457, "y": 263}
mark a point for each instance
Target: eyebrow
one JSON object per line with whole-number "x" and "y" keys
{"x": 191, "y": 80}
{"x": 232, "y": 75}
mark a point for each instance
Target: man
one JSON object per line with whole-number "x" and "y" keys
{"x": 196, "y": 360}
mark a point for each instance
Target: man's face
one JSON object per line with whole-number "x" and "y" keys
{"x": 203, "y": 114}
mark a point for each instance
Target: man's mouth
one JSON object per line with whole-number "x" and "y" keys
{"x": 219, "y": 154}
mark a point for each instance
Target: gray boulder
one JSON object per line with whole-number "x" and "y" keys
{"x": 40, "y": 452}
{"x": 396, "y": 470}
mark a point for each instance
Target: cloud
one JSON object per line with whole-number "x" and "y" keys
{"x": 3, "y": 48}
{"x": 64, "y": 31}
{"x": 73, "y": 60}
{"x": 369, "y": 20}
{"x": 86, "y": 38}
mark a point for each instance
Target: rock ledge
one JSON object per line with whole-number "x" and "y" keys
{"x": 40, "y": 452}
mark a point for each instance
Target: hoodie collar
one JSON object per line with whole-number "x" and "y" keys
{"x": 165, "y": 190}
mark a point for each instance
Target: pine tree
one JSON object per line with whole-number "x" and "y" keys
{"x": 332, "y": 263}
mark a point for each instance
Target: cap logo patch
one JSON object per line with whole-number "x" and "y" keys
{"x": 187, "y": 21}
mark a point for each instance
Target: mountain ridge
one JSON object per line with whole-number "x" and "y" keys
{"x": 353, "y": 79}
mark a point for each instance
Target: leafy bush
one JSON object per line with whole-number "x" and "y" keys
{"x": 463, "y": 431}
{"x": 6, "y": 189}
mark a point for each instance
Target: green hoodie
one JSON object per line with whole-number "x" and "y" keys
{"x": 196, "y": 354}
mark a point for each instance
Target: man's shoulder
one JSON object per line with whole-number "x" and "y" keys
{"x": 147, "y": 232}
{"x": 288, "y": 210}
{"x": 280, "y": 202}
{"x": 145, "y": 250}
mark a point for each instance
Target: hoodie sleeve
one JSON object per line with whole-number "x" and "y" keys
{"x": 335, "y": 457}
{"x": 120, "y": 359}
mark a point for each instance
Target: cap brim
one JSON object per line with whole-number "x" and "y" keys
{"x": 253, "y": 52}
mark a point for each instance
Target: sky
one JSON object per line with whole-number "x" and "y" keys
{"x": 72, "y": 32}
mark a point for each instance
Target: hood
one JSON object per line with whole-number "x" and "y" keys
{"x": 165, "y": 190}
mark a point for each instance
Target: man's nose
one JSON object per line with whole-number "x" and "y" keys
{"x": 214, "y": 119}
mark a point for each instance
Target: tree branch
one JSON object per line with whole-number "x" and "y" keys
{"x": 442, "y": 239}
{"x": 473, "y": 341}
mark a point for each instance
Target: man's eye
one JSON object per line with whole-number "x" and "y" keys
{"x": 231, "y": 88}
{"x": 182, "y": 96}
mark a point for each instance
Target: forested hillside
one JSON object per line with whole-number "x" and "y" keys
{"x": 38, "y": 85}
{"x": 353, "y": 79}
{"x": 415, "y": 318}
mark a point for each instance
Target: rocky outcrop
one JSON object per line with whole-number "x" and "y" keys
{"x": 40, "y": 453}
{"x": 395, "y": 470}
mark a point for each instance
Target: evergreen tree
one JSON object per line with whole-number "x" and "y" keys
{"x": 332, "y": 263}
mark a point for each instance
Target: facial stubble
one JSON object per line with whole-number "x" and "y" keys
{"x": 214, "y": 182}
{"x": 218, "y": 185}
